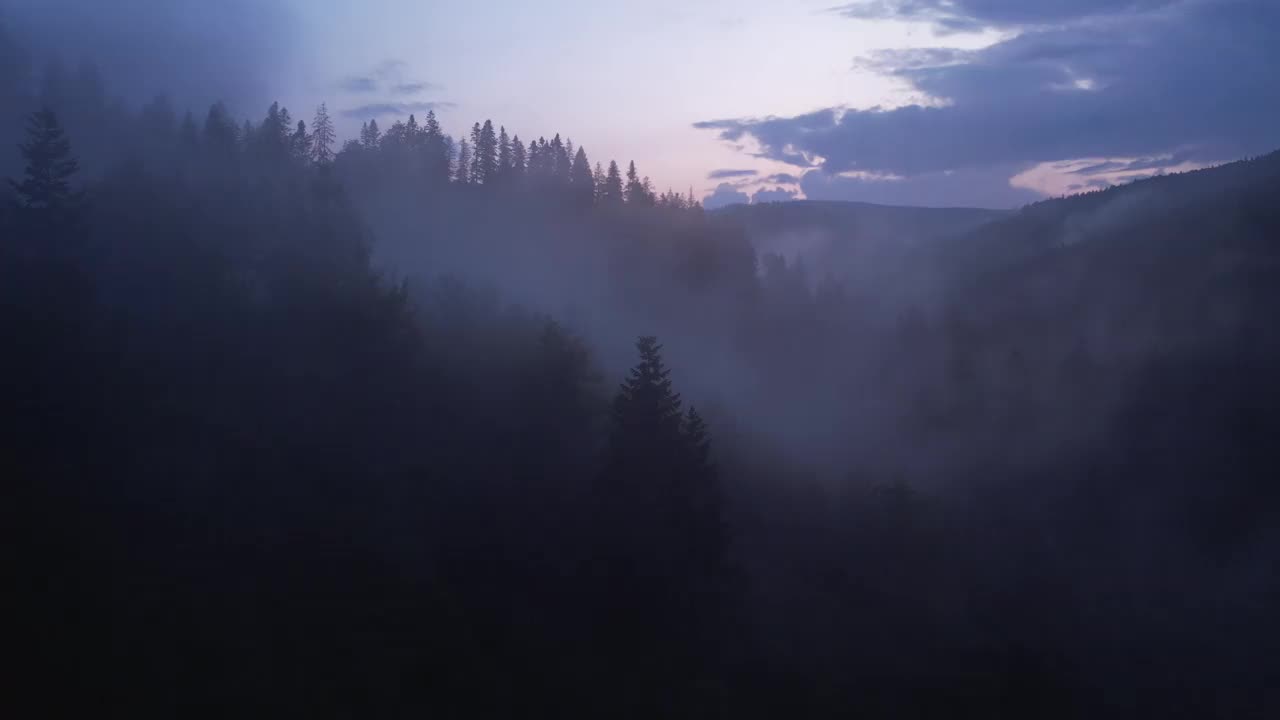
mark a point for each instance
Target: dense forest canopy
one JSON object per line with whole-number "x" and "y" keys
{"x": 484, "y": 427}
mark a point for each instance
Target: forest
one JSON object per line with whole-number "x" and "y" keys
{"x": 415, "y": 425}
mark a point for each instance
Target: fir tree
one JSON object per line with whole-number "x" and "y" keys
{"x": 635, "y": 192}
{"x": 371, "y": 136}
{"x": 486, "y": 155}
{"x": 462, "y": 174}
{"x": 561, "y": 166}
{"x": 473, "y": 170}
{"x": 412, "y": 133}
{"x": 46, "y": 182}
{"x": 646, "y": 410}
{"x": 322, "y": 136}
{"x": 220, "y": 136}
{"x": 504, "y": 154}
{"x": 519, "y": 159}
{"x": 612, "y": 194}
{"x": 598, "y": 179}
{"x": 300, "y": 143}
{"x": 659, "y": 468}
{"x": 581, "y": 179}
{"x": 437, "y": 149}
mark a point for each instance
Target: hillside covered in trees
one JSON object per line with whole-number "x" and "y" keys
{"x": 478, "y": 427}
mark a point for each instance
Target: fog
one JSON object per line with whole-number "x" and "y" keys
{"x": 489, "y": 425}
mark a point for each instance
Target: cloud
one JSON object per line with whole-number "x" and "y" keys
{"x": 973, "y": 15}
{"x": 1093, "y": 79}
{"x": 724, "y": 196}
{"x": 765, "y": 195}
{"x": 412, "y": 88}
{"x": 389, "y": 74}
{"x": 988, "y": 188}
{"x": 382, "y": 109}
{"x": 889, "y": 61}
{"x": 725, "y": 174}
{"x": 358, "y": 84}
{"x": 782, "y": 179}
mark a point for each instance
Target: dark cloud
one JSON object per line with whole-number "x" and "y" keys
{"x": 388, "y": 74}
{"x": 782, "y": 179}
{"x": 725, "y": 174}
{"x": 357, "y": 84}
{"x": 764, "y": 195}
{"x": 412, "y": 88}
{"x": 195, "y": 50}
{"x": 971, "y": 15}
{"x": 724, "y": 196}
{"x": 382, "y": 109}
{"x": 1115, "y": 82}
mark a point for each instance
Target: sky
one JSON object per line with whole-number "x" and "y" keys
{"x": 989, "y": 103}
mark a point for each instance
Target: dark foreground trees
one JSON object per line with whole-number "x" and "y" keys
{"x": 248, "y": 473}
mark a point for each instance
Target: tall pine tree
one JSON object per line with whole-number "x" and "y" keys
{"x": 612, "y": 195}
{"x": 323, "y": 136}
{"x": 46, "y": 184}
{"x": 462, "y": 173}
{"x": 581, "y": 179}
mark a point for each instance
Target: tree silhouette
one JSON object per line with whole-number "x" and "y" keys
{"x": 611, "y": 195}
{"x": 638, "y": 192}
{"x": 370, "y": 135}
{"x": 323, "y": 136}
{"x": 504, "y": 154}
{"x": 300, "y": 143}
{"x": 519, "y": 159}
{"x": 46, "y": 184}
{"x": 582, "y": 180}
{"x": 462, "y": 174}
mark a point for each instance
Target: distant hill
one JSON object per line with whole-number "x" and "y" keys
{"x": 1210, "y": 196}
{"x": 858, "y": 219}
{"x": 867, "y": 246}
{"x": 790, "y": 226}
{"x": 1181, "y": 266}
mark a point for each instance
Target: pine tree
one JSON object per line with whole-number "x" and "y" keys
{"x": 220, "y": 133}
{"x": 561, "y": 166}
{"x": 437, "y": 149}
{"x": 473, "y": 170}
{"x": 519, "y": 159}
{"x": 635, "y": 192}
{"x": 504, "y": 154}
{"x": 581, "y": 179}
{"x": 598, "y": 179}
{"x": 660, "y": 469}
{"x": 462, "y": 174}
{"x": 486, "y": 155}
{"x": 46, "y": 182}
{"x": 698, "y": 443}
{"x": 412, "y": 133}
{"x": 371, "y": 136}
{"x": 273, "y": 136}
{"x": 537, "y": 169}
{"x": 612, "y": 194}
{"x": 323, "y": 136}
{"x": 300, "y": 143}
{"x": 646, "y": 410}
{"x": 646, "y": 192}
